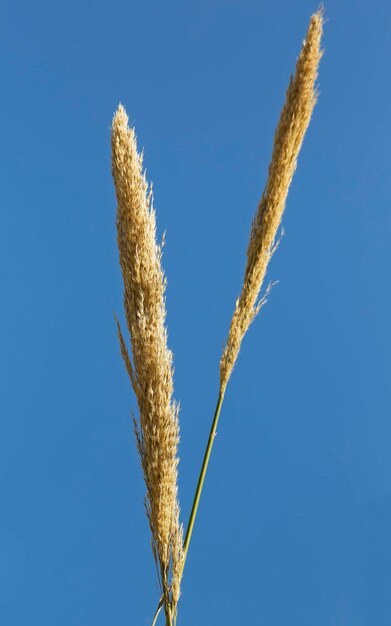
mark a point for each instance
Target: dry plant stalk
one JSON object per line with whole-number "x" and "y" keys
{"x": 300, "y": 100}
{"x": 295, "y": 116}
{"x": 151, "y": 372}
{"x": 144, "y": 286}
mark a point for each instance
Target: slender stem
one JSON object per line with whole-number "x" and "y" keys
{"x": 201, "y": 478}
{"x": 168, "y": 617}
{"x": 159, "y": 608}
{"x": 197, "y": 495}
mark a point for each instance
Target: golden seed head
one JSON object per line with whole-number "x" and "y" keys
{"x": 150, "y": 369}
{"x": 294, "y": 119}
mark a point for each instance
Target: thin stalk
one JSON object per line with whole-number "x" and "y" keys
{"x": 200, "y": 484}
{"x": 202, "y": 475}
{"x": 159, "y": 608}
{"x": 168, "y": 617}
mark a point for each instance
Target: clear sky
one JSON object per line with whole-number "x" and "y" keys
{"x": 294, "y": 525}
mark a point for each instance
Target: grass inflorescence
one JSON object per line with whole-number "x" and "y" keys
{"x": 150, "y": 366}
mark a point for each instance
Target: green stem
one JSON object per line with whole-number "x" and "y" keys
{"x": 202, "y": 475}
{"x": 197, "y": 495}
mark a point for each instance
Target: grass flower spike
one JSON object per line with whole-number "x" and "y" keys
{"x": 150, "y": 369}
{"x": 295, "y": 116}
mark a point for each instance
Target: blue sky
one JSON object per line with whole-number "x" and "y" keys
{"x": 294, "y": 525}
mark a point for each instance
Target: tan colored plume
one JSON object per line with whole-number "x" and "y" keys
{"x": 300, "y": 100}
{"x": 150, "y": 369}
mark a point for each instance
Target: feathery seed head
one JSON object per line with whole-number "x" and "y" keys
{"x": 295, "y": 116}
{"x": 150, "y": 369}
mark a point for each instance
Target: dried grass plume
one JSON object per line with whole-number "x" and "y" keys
{"x": 150, "y": 369}
{"x": 300, "y": 100}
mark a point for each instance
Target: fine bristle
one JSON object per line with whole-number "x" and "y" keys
{"x": 295, "y": 116}
{"x": 151, "y": 369}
